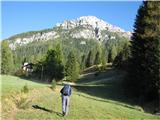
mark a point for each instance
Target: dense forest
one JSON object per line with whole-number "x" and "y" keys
{"x": 88, "y": 52}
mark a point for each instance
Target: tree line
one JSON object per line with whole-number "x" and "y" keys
{"x": 54, "y": 61}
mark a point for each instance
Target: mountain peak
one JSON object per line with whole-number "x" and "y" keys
{"x": 88, "y": 18}
{"x": 92, "y": 21}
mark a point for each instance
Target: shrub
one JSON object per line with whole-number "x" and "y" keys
{"x": 21, "y": 100}
{"x": 53, "y": 84}
{"x": 20, "y": 73}
{"x": 101, "y": 68}
{"x": 25, "y": 89}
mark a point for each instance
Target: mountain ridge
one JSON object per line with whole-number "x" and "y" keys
{"x": 87, "y": 27}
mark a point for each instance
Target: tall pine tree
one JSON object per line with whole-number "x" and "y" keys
{"x": 144, "y": 73}
{"x": 53, "y": 66}
{"x": 103, "y": 56}
{"x": 72, "y": 67}
{"x": 82, "y": 64}
{"x": 7, "y": 66}
{"x": 97, "y": 60}
{"x": 121, "y": 60}
{"x": 88, "y": 60}
{"x": 112, "y": 54}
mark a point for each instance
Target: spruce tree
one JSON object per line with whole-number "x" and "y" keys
{"x": 59, "y": 52}
{"x": 82, "y": 65}
{"x": 112, "y": 54}
{"x": 72, "y": 67}
{"x": 121, "y": 60}
{"x": 97, "y": 58}
{"x": 143, "y": 77}
{"x": 53, "y": 66}
{"x": 103, "y": 56}
{"x": 88, "y": 60}
{"x": 7, "y": 65}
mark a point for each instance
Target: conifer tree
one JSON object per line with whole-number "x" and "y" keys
{"x": 103, "y": 57}
{"x": 88, "y": 60}
{"x": 145, "y": 51}
{"x": 72, "y": 67}
{"x": 53, "y": 66}
{"x": 7, "y": 65}
{"x": 121, "y": 60}
{"x": 112, "y": 54}
{"x": 82, "y": 65}
{"x": 97, "y": 58}
{"x": 59, "y": 52}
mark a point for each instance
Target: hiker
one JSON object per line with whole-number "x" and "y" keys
{"x": 66, "y": 92}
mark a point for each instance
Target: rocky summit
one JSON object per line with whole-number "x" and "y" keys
{"x": 89, "y": 20}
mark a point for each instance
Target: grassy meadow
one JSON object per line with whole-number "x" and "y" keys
{"x": 94, "y": 97}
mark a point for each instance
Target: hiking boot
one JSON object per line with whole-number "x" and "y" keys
{"x": 63, "y": 113}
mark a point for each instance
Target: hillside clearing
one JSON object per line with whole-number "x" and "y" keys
{"x": 11, "y": 83}
{"x": 85, "y": 104}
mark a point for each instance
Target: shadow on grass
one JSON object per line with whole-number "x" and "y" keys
{"x": 47, "y": 110}
{"x": 111, "y": 92}
{"x": 94, "y": 76}
{"x": 111, "y": 89}
{"x": 108, "y": 101}
{"x": 32, "y": 79}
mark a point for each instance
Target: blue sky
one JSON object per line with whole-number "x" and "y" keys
{"x": 18, "y": 17}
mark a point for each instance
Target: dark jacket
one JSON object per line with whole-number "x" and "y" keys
{"x": 68, "y": 87}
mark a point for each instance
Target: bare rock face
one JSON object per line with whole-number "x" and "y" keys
{"x": 93, "y": 22}
{"x": 85, "y": 33}
{"x": 90, "y": 20}
{"x": 35, "y": 37}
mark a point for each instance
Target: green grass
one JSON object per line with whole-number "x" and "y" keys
{"x": 89, "y": 100}
{"x": 107, "y": 85}
{"x": 82, "y": 107}
{"x": 11, "y": 83}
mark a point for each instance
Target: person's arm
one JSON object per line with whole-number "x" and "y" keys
{"x": 70, "y": 91}
{"x": 61, "y": 91}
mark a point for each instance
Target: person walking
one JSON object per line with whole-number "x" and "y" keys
{"x": 66, "y": 92}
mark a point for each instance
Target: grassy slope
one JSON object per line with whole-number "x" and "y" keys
{"x": 11, "y": 83}
{"x": 86, "y": 103}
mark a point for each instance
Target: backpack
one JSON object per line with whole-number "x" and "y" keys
{"x": 66, "y": 90}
